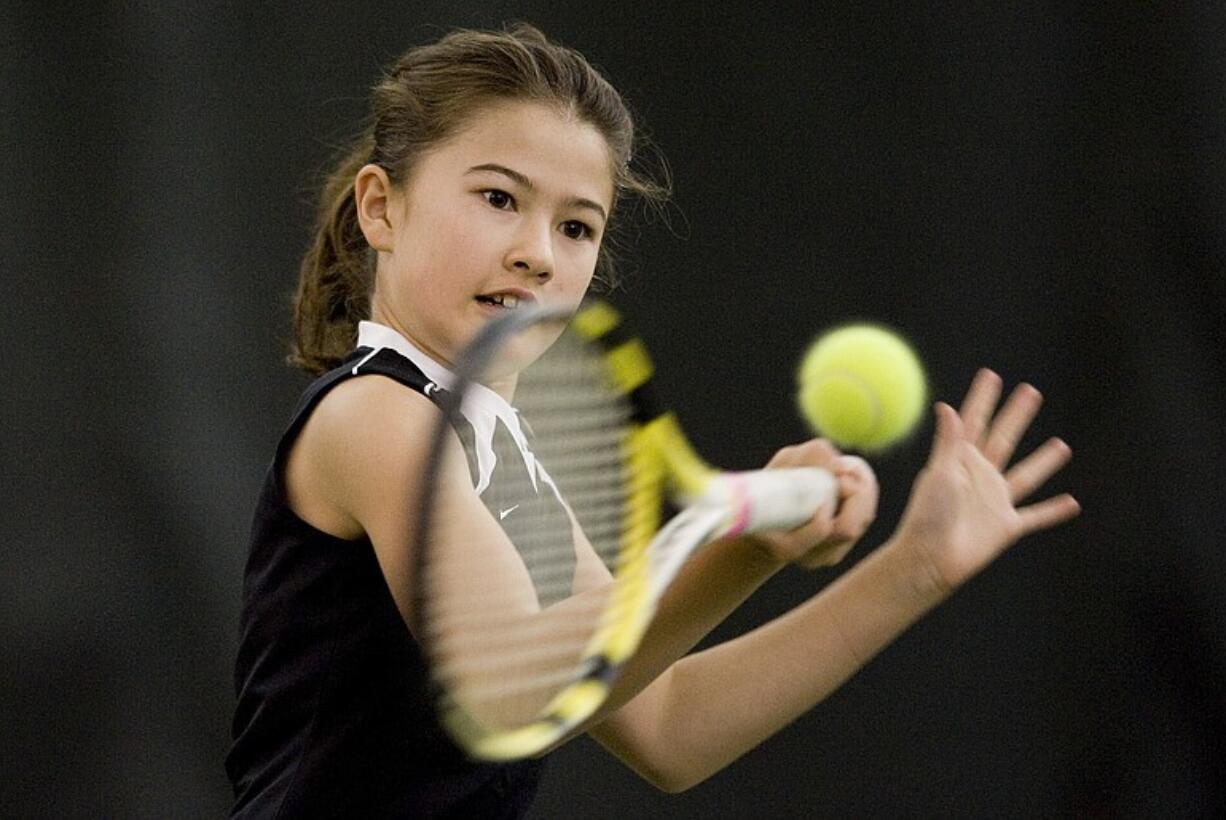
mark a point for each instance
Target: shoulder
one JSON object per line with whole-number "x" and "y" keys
{"x": 367, "y": 435}
{"x": 372, "y": 407}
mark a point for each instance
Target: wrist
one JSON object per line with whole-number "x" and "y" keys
{"x": 754, "y": 554}
{"x": 913, "y": 562}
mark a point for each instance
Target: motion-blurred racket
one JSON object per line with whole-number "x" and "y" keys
{"x": 524, "y": 616}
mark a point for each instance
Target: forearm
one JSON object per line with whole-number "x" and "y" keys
{"x": 712, "y": 584}
{"x": 722, "y": 702}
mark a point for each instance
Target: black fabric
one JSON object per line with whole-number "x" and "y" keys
{"x": 333, "y": 716}
{"x": 534, "y": 522}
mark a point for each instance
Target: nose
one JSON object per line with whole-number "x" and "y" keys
{"x": 531, "y": 252}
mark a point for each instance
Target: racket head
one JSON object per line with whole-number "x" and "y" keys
{"x": 530, "y": 584}
{"x": 631, "y": 373}
{"x": 537, "y": 561}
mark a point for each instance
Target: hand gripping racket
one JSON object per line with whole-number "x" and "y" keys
{"x": 529, "y": 594}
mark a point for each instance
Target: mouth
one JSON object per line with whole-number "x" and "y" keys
{"x": 505, "y": 299}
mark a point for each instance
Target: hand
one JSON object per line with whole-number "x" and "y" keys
{"x": 834, "y": 528}
{"x": 963, "y": 508}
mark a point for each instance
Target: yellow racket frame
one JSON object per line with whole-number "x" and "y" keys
{"x": 656, "y": 455}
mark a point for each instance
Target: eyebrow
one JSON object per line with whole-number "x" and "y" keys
{"x": 516, "y": 176}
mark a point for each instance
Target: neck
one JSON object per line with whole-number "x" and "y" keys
{"x": 504, "y": 386}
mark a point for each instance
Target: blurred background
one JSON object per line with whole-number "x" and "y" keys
{"x": 1040, "y": 188}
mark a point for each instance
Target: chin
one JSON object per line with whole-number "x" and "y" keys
{"x": 520, "y": 352}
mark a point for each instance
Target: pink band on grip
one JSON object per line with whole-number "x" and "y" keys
{"x": 740, "y": 518}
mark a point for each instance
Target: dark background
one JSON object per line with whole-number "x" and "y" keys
{"x": 1040, "y": 188}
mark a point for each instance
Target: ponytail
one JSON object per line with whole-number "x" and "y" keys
{"x": 335, "y": 278}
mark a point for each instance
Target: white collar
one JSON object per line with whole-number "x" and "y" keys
{"x": 481, "y": 406}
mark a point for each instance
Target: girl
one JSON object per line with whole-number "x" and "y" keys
{"x": 492, "y": 168}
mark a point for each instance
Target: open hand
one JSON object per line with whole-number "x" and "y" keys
{"x": 963, "y": 510}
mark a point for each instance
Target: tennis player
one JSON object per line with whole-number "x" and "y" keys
{"x": 490, "y": 175}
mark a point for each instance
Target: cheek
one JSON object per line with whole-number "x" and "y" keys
{"x": 450, "y": 247}
{"x": 475, "y": 236}
{"x": 579, "y": 268}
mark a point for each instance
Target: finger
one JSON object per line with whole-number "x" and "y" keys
{"x": 815, "y": 452}
{"x": 949, "y": 431}
{"x": 1033, "y": 471}
{"x": 979, "y": 404}
{"x": 856, "y": 512}
{"x": 785, "y": 456}
{"x": 854, "y": 477}
{"x": 820, "y": 452}
{"x": 1010, "y": 424}
{"x": 853, "y": 467}
{"x": 817, "y": 529}
{"x": 1048, "y": 513}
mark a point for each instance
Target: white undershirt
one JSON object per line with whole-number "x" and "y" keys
{"x": 482, "y": 407}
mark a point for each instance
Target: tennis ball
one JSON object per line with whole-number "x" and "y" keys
{"x": 861, "y": 386}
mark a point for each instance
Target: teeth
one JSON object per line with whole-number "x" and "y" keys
{"x": 504, "y": 299}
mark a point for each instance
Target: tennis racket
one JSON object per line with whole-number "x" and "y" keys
{"x": 530, "y": 595}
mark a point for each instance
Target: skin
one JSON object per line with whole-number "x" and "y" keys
{"x": 965, "y": 509}
{"x": 449, "y": 234}
{"x": 454, "y": 232}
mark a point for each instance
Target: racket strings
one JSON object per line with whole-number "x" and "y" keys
{"x": 509, "y": 605}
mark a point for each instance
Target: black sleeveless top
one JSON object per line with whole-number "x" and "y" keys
{"x": 333, "y": 717}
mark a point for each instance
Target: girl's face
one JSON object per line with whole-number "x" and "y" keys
{"x": 511, "y": 210}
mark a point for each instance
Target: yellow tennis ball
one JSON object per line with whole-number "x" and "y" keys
{"x": 862, "y": 387}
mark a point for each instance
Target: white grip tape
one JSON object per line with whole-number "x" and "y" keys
{"x": 781, "y": 499}
{"x": 733, "y": 503}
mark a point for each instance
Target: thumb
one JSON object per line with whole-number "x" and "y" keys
{"x": 948, "y": 429}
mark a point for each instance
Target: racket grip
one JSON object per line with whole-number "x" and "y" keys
{"x": 777, "y": 499}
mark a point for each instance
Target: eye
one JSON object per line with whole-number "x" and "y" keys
{"x": 499, "y": 199}
{"x": 574, "y": 229}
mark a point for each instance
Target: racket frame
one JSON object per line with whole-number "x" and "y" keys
{"x": 656, "y": 452}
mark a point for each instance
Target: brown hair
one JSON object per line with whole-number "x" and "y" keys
{"x": 428, "y": 95}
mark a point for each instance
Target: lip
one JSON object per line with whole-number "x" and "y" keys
{"x": 519, "y": 293}
{"x": 525, "y": 298}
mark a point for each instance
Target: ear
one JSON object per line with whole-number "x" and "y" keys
{"x": 372, "y": 194}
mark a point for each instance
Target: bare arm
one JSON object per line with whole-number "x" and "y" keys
{"x": 712, "y": 707}
{"x": 359, "y": 459}
{"x": 720, "y": 576}
{"x": 681, "y": 721}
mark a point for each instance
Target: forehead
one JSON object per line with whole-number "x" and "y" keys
{"x": 561, "y": 154}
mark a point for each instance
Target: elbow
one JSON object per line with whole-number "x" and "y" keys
{"x": 675, "y": 784}
{"x": 661, "y": 766}
{"x": 667, "y": 783}
{"x": 671, "y": 778}
{"x": 647, "y": 737}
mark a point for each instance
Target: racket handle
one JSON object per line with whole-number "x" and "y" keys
{"x": 778, "y": 499}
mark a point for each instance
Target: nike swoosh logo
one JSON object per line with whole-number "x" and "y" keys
{"x": 504, "y": 513}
